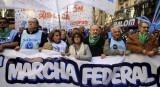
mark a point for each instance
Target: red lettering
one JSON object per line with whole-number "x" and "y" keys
{"x": 28, "y": 10}
{"x": 74, "y": 23}
{"x": 75, "y": 8}
{"x": 86, "y": 22}
{"x": 49, "y": 15}
{"x": 80, "y": 8}
{"x": 54, "y": 15}
{"x": 65, "y": 16}
{"x": 40, "y": 15}
{"x": 79, "y": 22}
{"x": 45, "y": 15}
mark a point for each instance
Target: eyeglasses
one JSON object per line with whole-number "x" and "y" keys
{"x": 156, "y": 32}
{"x": 3, "y": 22}
{"x": 146, "y": 27}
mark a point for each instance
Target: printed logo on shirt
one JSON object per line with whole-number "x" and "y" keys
{"x": 29, "y": 45}
{"x": 4, "y": 39}
{"x": 56, "y": 48}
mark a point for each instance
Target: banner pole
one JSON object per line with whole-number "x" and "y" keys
{"x": 58, "y": 15}
{"x": 59, "y": 21}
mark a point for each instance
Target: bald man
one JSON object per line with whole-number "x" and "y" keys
{"x": 95, "y": 42}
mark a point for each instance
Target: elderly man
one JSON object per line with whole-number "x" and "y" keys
{"x": 8, "y": 37}
{"x": 142, "y": 42}
{"x": 115, "y": 45}
{"x": 32, "y": 38}
{"x": 95, "y": 42}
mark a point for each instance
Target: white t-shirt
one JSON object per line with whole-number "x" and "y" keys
{"x": 60, "y": 47}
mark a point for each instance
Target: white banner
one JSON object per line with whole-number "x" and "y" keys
{"x": 71, "y": 17}
{"x": 30, "y": 68}
{"x": 57, "y": 5}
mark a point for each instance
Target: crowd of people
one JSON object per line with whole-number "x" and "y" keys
{"x": 81, "y": 45}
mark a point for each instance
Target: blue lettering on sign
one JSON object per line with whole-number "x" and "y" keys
{"x": 32, "y": 40}
{"x": 1, "y": 60}
{"x": 29, "y": 45}
{"x": 61, "y": 70}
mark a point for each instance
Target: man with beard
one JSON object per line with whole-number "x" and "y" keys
{"x": 8, "y": 37}
{"x": 115, "y": 45}
{"x": 95, "y": 42}
{"x": 142, "y": 42}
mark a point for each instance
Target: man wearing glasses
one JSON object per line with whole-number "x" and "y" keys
{"x": 8, "y": 37}
{"x": 142, "y": 42}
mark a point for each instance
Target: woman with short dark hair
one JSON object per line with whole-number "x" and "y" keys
{"x": 78, "y": 49}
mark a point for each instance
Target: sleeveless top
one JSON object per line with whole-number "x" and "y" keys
{"x": 30, "y": 41}
{"x": 4, "y": 40}
{"x": 117, "y": 45}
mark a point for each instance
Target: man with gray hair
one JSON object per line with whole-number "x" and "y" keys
{"x": 32, "y": 38}
{"x": 115, "y": 45}
{"x": 142, "y": 42}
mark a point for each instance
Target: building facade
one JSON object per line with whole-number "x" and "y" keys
{"x": 128, "y": 10}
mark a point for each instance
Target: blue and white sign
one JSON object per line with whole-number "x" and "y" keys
{"x": 29, "y": 68}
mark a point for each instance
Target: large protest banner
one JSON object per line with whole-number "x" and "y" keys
{"x": 57, "y": 5}
{"x": 80, "y": 15}
{"x": 30, "y": 68}
{"x": 70, "y": 17}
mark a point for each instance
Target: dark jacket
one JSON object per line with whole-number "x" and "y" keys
{"x": 97, "y": 49}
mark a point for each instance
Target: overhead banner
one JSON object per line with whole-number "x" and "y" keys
{"x": 70, "y": 17}
{"x": 57, "y": 5}
{"x": 30, "y": 68}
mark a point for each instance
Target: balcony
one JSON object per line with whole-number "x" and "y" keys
{"x": 122, "y": 1}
